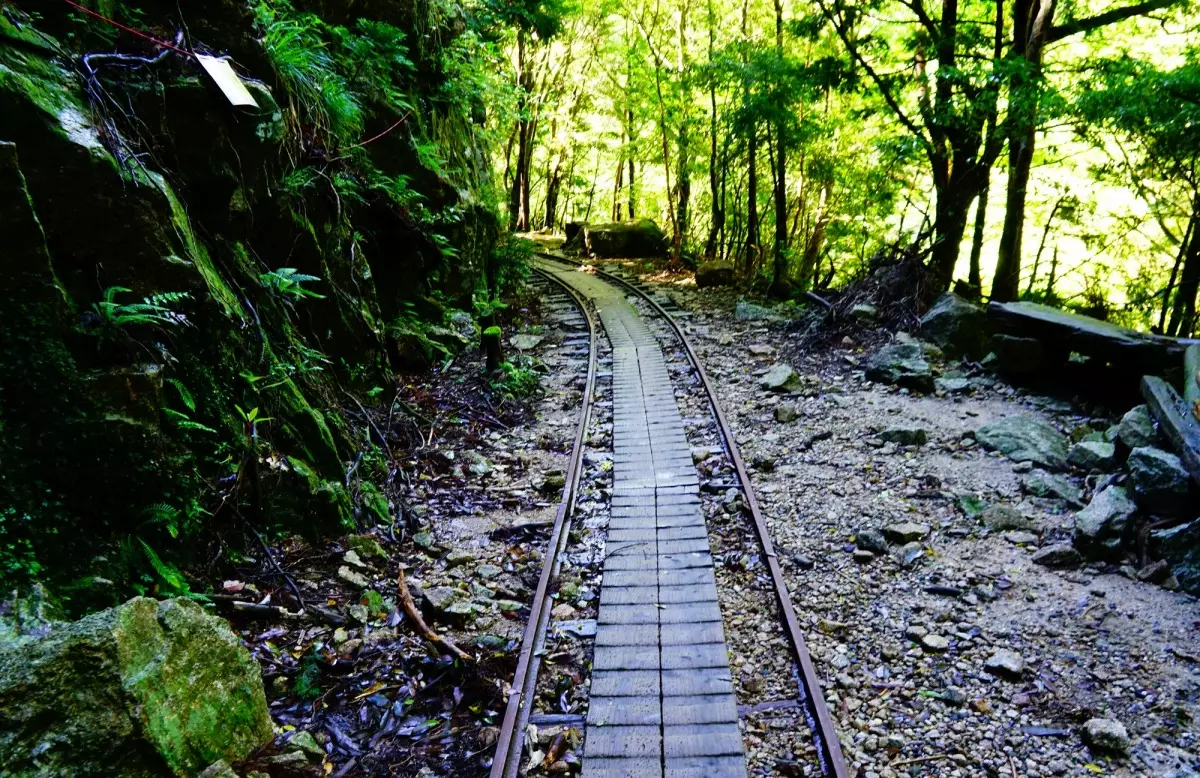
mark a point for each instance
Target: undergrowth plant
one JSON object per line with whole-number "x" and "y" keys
{"x": 289, "y": 282}
{"x": 330, "y": 71}
{"x": 517, "y": 380}
{"x": 154, "y": 310}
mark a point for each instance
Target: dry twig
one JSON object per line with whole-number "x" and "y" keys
{"x": 414, "y": 615}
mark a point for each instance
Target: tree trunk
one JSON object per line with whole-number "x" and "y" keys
{"x": 552, "y": 185}
{"x": 1183, "y": 312}
{"x": 616, "y": 197}
{"x": 1032, "y": 21}
{"x": 519, "y": 194}
{"x": 717, "y": 218}
{"x": 1183, "y": 247}
{"x": 974, "y": 271}
{"x": 781, "y": 287}
{"x": 1037, "y": 258}
{"x": 951, "y": 213}
{"x": 683, "y": 176}
{"x": 816, "y": 238}
{"x": 974, "y": 274}
{"x": 751, "y": 169}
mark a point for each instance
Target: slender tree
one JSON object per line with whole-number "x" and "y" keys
{"x": 1033, "y": 30}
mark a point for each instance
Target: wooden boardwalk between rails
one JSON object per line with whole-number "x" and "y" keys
{"x": 662, "y": 699}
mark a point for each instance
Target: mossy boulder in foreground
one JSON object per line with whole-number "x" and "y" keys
{"x": 143, "y": 690}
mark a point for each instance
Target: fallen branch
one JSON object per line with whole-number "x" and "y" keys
{"x": 919, "y": 759}
{"x": 808, "y": 442}
{"x": 410, "y": 610}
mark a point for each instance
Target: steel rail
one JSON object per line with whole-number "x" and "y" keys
{"x": 507, "y": 759}
{"x": 833, "y": 762}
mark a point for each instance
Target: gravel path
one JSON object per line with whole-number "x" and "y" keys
{"x": 964, "y": 659}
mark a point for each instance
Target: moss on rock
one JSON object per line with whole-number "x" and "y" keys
{"x": 143, "y": 690}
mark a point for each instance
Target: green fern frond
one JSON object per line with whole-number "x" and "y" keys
{"x": 185, "y": 394}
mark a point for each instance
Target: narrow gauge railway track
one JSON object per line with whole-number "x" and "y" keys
{"x": 507, "y": 760}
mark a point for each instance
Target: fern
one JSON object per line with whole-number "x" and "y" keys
{"x": 289, "y": 282}
{"x": 168, "y": 574}
{"x": 184, "y": 422}
{"x": 153, "y": 310}
{"x": 185, "y": 394}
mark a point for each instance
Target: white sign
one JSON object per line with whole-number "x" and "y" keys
{"x": 229, "y": 82}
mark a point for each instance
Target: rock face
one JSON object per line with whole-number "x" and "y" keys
{"x": 714, "y": 273}
{"x": 905, "y": 532}
{"x": 1137, "y": 428}
{"x": 1160, "y": 482}
{"x": 958, "y": 326}
{"x": 743, "y": 310}
{"x": 200, "y": 222}
{"x": 1181, "y": 547}
{"x": 1006, "y": 663}
{"x": 1020, "y": 357}
{"x": 142, "y": 690}
{"x": 1089, "y": 455}
{"x": 1000, "y": 518}
{"x": 871, "y": 540}
{"x": 1104, "y": 523}
{"x": 1026, "y": 439}
{"x": 901, "y": 364}
{"x": 625, "y": 239}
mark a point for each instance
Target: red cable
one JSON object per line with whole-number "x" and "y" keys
{"x": 399, "y": 121}
{"x": 138, "y": 33}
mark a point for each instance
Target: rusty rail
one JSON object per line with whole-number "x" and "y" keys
{"x": 507, "y": 760}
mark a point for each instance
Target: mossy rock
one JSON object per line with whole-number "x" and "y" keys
{"x": 143, "y": 690}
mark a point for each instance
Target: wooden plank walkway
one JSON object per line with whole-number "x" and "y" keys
{"x": 662, "y": 699}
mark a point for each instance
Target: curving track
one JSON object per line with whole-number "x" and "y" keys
{"x": 661, "y": 697}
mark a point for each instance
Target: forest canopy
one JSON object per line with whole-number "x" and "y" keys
{"x": 1028, "y": 149}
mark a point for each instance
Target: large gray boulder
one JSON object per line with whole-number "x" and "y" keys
{"x": 1026, "y": 439}
{"x": 1105, "y": 523}
{"x": 625, "y": 240}
{"x": 1089, "y": 455}
{"x": 1039, "y": 483}
{"x": 1160, "y": 482}
{"x": 143, "y": 690}
{"x": 715, "y": 273}
{"x": 958, "y": 326}
{"x": 1137, "y": 428}
{"x": 901, "y": 364}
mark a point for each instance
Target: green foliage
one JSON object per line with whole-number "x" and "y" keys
{"x": 18, "y": 561}
{"x": 307, "y": 686}
{"x": 171, "y": 582}
{"x": 330, "y": 71}
{"x": 510, "y": 260}
{"x": 152, "y": 310}
{"x": 516, "y": 381}
{"x": 289, "y": 282}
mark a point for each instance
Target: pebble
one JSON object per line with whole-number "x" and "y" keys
{"x": 1006, "y": 663}
{"x": 935, "y": 643}
{"x": 1106, "y": 735}
{"x": 905, "y": 532}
